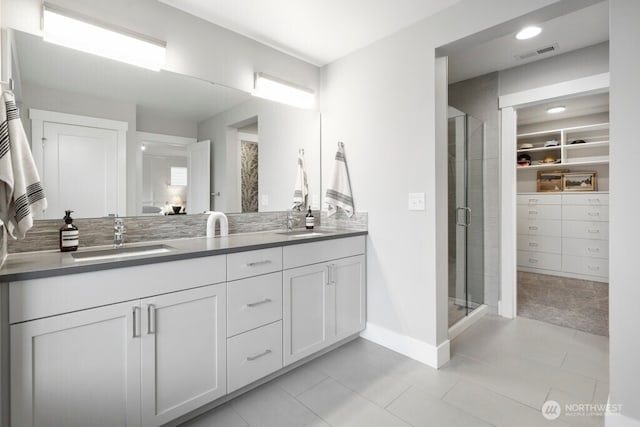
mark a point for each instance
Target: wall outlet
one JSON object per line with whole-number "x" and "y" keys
{"x": 416, "y": 201}
{"x": 264, "y": 200}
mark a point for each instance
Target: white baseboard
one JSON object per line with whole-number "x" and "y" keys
{"x": 460, "y": 326}
{"x": 434, "y": 356}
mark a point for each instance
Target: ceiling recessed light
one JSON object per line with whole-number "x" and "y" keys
{"x": 556, "y": 110}
{"x": 528, "y": 32}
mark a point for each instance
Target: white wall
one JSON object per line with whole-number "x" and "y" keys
{"x": 282, "y": 131}
{"x": 624, "y": 292}
{"x": 194, "y": 47}
{"x": 381, "y": 102}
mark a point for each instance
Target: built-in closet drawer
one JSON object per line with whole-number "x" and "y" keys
{"x": 540, "y": 227}
{"x": 585, "y": 212}
{"x": 540, "y": 260}
{"x": 253, "y": 302}
{"x": 254, "y": 354}
{"x": 539, "y": 212}
{"x": 588, "y": 266}
{"x": 540, "y": 244}
{"x": 585, "y": 247}
{"x": 253, "y": 263}
{"x": 538, "y": 199}
{"x": 594, "y": 199}
{"x": 586, "y": 229}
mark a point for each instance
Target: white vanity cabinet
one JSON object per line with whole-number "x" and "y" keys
{"x": 323, "y": 302}
{"x": 142, "y": 362}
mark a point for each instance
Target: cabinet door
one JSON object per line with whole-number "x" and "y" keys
{"x": 183, "y": 352}
{"x": 79, "y": 369}
{"x": 347, "y": 276}
{"x": 305, "y": 321}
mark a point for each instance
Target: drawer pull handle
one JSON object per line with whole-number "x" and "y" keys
{"x": 594, "y": 200}
{"x": 258, "y": 356}
{"x": 533, "y": 212}
{"x": 533, "y": 244}
{"x": 594, "y": 267}
{"x": 136, "y": 322}
{"x": 533, "y": 260}
{"x": 257, "y": 263}
{"x": 533, "y": 200}
{"x": 264, "y": 301}
{"x": 594, "y": 231}
{"x": 594, "y": 250}
{"x": 594, "y": 213}
{"x": 532, "y": 227}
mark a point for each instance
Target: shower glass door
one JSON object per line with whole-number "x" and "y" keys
{"x": 466, "y": 214}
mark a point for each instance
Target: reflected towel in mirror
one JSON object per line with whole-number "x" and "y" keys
{"x": 301, "y": 190}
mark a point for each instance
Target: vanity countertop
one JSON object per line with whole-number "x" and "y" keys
{"x": 35, "y": 265}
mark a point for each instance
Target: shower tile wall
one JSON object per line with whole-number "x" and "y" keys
{"x": 478, "y": 97}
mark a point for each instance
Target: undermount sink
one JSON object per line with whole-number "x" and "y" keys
{"x": 303, "y": 233}
{"x": 113, "y": 253}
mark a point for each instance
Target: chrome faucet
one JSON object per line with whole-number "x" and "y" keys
{"x": 291, "y": 221}
{"x": 118, "y": 232}
{"x": 211, "y": 224}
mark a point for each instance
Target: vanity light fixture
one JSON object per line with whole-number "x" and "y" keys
{"x": 528, "y": 32}
{"x": 88, "y": 35}
{"x": 278, "y": 90}
{"x": 556, "y": 110}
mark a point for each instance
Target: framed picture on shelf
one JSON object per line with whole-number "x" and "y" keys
{"x": 550, "y": 180}
{"x": 580, "y": 181}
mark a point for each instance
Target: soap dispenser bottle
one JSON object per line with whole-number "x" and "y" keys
{"x": 69, "y": 234}
{"x": 309, "y": 220}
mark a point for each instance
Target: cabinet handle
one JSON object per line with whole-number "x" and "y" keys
{"x": 533, "y": 212}
{"x": 533, "y": 260}
{"x": 594, "y": 200}
{"x": 593, "y": 267}
{"x": 533, "y": 200}
{"x": 151, "y": 319}
{"x": 257, "y": 263}
{"x": 533, "y": 244}
{"x": 532, "y": 227}
{"x": 593, "y": 213}
{"x": 264, "y": 301}
{"x": 258, "y": 356}
{"x": 594, "y": 250}
{"x": 136, "y": 321}
{"x": 594, "y": 231}
{"x": 328, "y": 274}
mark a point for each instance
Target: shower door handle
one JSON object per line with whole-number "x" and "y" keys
{"x": 466, "y": 220}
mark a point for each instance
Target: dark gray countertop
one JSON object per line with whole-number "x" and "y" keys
{"x": 35, "y": 265}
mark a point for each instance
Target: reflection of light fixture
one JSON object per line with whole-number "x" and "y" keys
{"x": 556, "y": 110}
{"x": 87, "y": 35}
{"x": 281, "y": 91}
{"x": 143, "y": 147}
{"x": 528, "y": 32}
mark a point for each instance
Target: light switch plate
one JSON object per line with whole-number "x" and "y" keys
{"x": 416, "y": 201}
{"x": 264, "y": 200}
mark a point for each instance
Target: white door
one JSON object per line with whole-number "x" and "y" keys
{"x": 199, "y": 180}
{"x": 183, "y": 352}
{"x": 348, "y": 279}
{"x": 80, "y": 170}
{"x": 305, "y": 321}
{"x": 77, "y": 370}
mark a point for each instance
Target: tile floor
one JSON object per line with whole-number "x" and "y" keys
{"x": 500, "y": 374}
{"x": 573, "y": 303}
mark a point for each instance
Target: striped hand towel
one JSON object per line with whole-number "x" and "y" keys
{"x": 301, "y": 190}
{"x": 339, "y": 189}
{"x": 20, "y": 190}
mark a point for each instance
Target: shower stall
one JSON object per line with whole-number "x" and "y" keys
{"x": 465, "y": 148}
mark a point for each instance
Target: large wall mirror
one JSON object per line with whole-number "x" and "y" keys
{"x": 111, "y": 138}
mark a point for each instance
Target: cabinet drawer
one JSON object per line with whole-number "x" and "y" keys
{"x": 586, "y": 230}
{"x": 253, "y": 263}
{"x": 539, "y": 227}
{"x": 539, "y": 260}
{"x": 585, "y": 247}
{"x": 254, "y": 354}
{"x": 585, "y": 212}
{"x": 538, "y": 199}
{"x": 583, "y": 265}
{"x": 539, "y": 212}
{"x": 540, "y": 244}
{"x": 594, "y": 199}
{"x": 313, "y": 253}
{"x": 253, "y": 302}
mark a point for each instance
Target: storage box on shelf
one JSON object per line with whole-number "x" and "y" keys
{"x": 564, "y": 234}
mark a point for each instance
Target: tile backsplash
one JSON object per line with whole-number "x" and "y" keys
{"x": 99, "y": 231}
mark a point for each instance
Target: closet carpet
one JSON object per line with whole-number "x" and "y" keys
{"x": 573, "y": 303}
